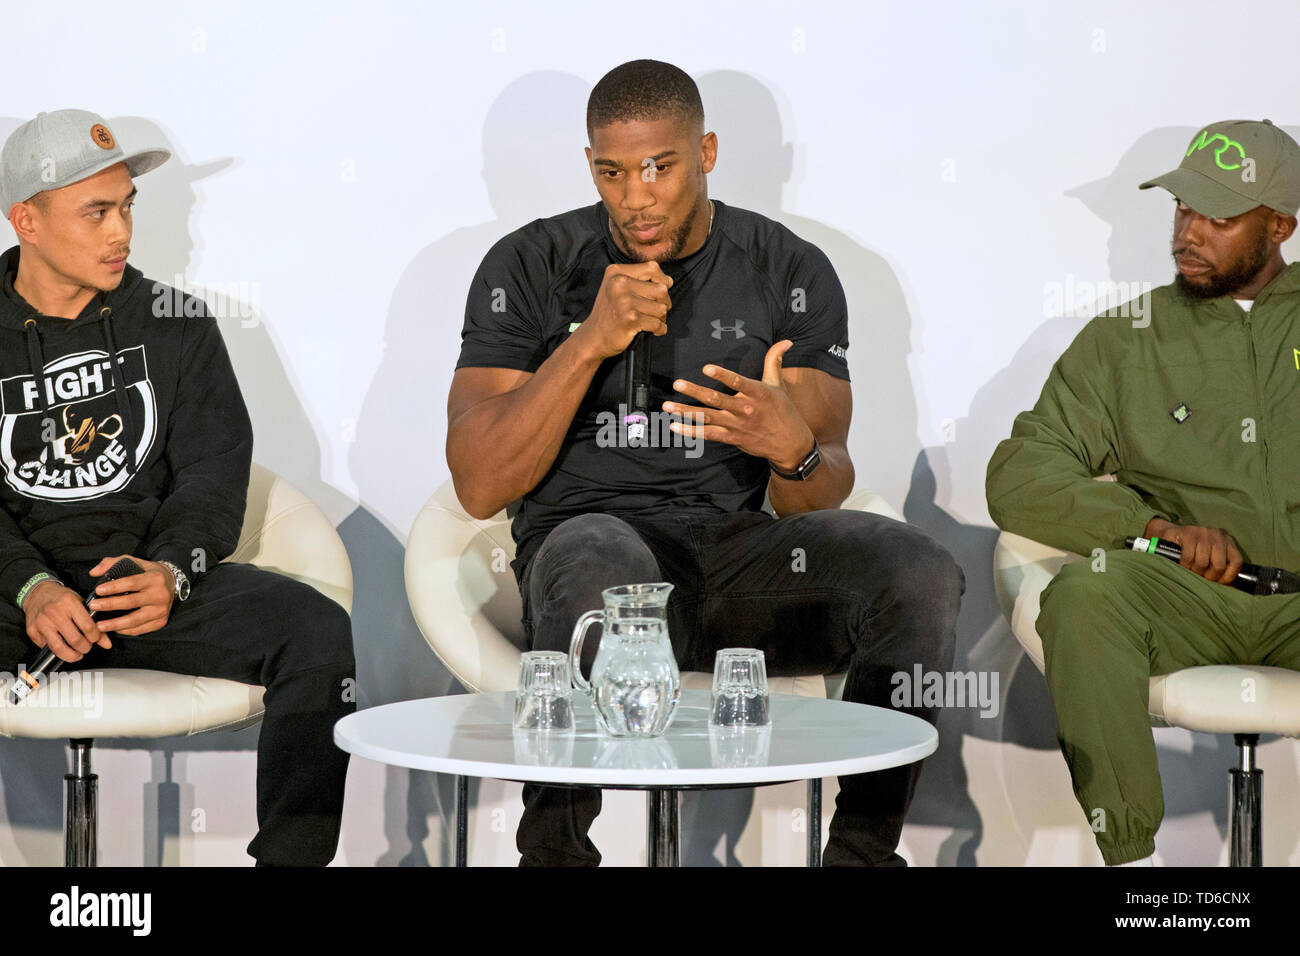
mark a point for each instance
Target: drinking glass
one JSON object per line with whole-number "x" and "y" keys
{"x": 740, "y": 697}
{"x": 544, "y": 695}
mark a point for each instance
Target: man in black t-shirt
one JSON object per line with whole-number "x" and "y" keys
{"x": 749, "y": 397}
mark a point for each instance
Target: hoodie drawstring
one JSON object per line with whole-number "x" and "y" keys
{"x": 36, "y": 359}
{"x": 119, "y": 390}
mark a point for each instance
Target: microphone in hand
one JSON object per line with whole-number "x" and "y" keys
{"x": 29, "y": 679}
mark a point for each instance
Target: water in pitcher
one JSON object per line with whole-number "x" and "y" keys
{"x": 635, "y": 688}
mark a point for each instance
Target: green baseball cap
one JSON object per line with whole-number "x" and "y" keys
{"x": 1234, "y": 166}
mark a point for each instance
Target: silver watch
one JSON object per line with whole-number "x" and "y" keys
{"x": 182, "y": 582}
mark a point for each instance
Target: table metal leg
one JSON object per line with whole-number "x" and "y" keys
{"x": 663, "y": 833}
{"x": 1246, "y": 832}
{"x": 462, "y": 820}
{"x": 815, "y": 822}
{"x": 81, "y": 808}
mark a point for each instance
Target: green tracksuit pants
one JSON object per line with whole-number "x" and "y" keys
{"x": 1105, "y": 633}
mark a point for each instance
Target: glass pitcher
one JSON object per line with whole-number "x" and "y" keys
{"x": 635, "y": 683}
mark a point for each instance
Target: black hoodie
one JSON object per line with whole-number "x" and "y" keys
{"x": 151, "y": 461}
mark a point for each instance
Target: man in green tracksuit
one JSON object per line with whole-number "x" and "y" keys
{"x": 1190, "y": 399}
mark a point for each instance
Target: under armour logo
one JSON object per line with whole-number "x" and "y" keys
{"x": 719, "y": 328}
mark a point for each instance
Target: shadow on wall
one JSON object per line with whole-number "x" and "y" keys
{"x": 533, "y": 166}
{"x": 756, "y": 170}
{"x": 165, "y": 249}
{"x": 1138, "y": 253}
{"x": 756, "y": 165}
{"x": 393, "y": 662}
{"x": 168, "y": 248}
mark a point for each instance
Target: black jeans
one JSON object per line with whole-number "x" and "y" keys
{"x": 818, "y": 592}
{"x": 245, "y": 624}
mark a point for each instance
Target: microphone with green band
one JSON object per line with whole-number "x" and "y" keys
{"x": 1256, "y": 579}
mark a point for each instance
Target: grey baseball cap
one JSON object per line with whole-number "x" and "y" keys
{"x": 60, "y": 148}
{"x": 1233, "y": 166}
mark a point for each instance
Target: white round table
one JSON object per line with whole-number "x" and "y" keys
{"x": 470, "y": 735}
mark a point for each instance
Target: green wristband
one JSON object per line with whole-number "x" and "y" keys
{"x": 34, "y": 580}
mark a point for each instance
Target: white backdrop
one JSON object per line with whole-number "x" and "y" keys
{"x": 970, "y": 169}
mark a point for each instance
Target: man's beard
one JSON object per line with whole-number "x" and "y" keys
{"x": 1239, "y": 274}
{"x": 675, "y": 244}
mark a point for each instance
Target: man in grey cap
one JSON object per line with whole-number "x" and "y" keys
{"x": 54, "y": 164}
{"x": 1194, "y": 415}
{"x": 123, "y": 433}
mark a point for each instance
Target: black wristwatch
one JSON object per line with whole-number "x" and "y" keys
{"x": 805, "y": 467}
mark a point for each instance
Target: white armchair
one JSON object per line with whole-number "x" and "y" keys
{"x": 1208, "y": 699}
{"x": 283, "y": 531}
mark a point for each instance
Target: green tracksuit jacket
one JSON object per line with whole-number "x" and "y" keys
{"x": 1113, "y": 404}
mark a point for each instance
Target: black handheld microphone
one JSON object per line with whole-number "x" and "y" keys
{"x": 29, "y": 679}
{"x": 636, "y": 389}
{"x": 1259, "y": 580}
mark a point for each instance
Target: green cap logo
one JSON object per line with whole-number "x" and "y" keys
{"x": 1203, "y": 141}
{"x": 1231, "y": 167}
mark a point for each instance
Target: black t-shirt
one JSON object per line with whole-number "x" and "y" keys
{"x": 751, "y": 284}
